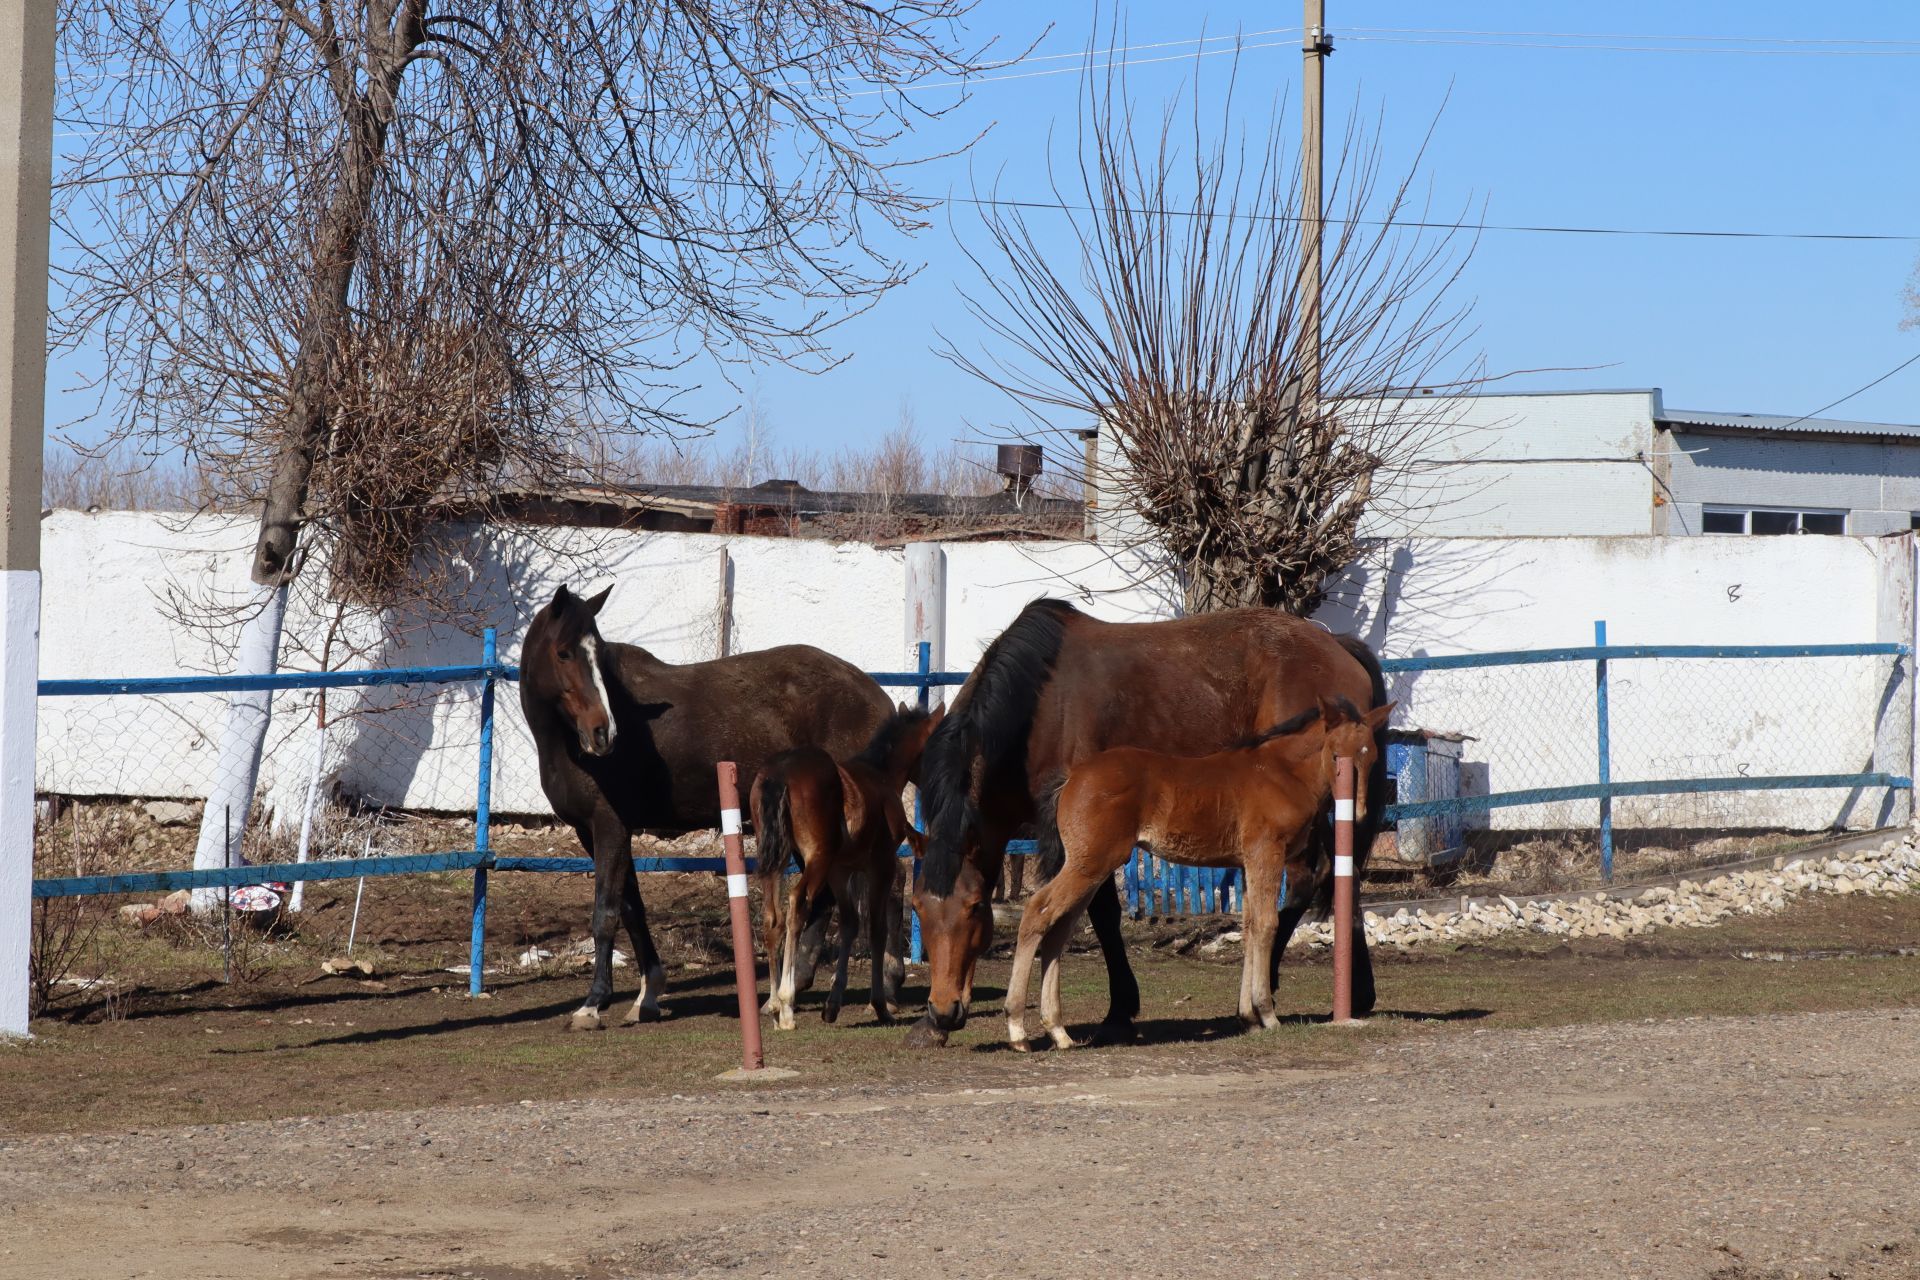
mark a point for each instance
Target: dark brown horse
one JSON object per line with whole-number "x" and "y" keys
{"x": 841, "y": 822}
{"x": 1252, "y": 807}
{"x": 1055, "y": 688}
{"x": 628, "y": 743}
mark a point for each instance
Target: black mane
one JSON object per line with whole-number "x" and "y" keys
{"x": 988, "y": 723}
{"x": 1292, "y": 724}
{"x": 879, "y": 748}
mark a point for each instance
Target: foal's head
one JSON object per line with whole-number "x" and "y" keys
{"x": 560, "y": 664}
{"x": 897, "y": 745}
{"x": 1352, "y": 735}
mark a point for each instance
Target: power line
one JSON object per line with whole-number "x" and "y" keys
{"x": 1642, "y": 36}
{"x": 1851, "y": 394}
{"x": 1439, "y": 226}
{"x": 1635, "y": 48}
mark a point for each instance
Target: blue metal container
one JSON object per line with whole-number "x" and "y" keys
{"x": 1425, "y": 765}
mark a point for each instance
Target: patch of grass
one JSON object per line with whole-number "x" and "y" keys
{"x": 191, "y": 1050}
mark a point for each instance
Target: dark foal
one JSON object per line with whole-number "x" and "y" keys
{"x": 628, "y": 743}
{"x": 841, "y": 823}
{"x": 1252, "y": 807}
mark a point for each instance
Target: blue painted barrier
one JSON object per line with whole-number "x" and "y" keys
{"x": 1150, "y": 883}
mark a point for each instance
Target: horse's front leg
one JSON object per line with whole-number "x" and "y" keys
{"x": 612, "y": 864}
{"x": 883, "y": 912}
{"x": 1123, "y": 991}
{"x": 653, "y": 975}
{"x": 1260, "y": 917}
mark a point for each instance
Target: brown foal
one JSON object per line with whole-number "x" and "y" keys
{"x": 840, "y": 821}
{"x": 1252, "y": 807}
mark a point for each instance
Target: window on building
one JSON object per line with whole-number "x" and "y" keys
{"x": 1764, "y": 521}
{"x": 1916, "y": 520}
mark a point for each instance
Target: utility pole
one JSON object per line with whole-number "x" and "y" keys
{"x": 1315, "y": 47}
{"x": 26, "y": 194}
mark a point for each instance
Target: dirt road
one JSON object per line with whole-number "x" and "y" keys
{"x": 1694, "y": 1148}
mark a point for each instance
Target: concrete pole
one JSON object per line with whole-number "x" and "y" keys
{"x": 927, "y": 610}
{"x": 26, "y": 190}
{"x": 1315, "y": 46}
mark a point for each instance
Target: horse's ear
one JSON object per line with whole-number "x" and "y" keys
{"x": 1377, "y": 718}
{"x": 1329, "y": 712}
{"x": 593, "y": 603}
{"x": 561, "y": 596}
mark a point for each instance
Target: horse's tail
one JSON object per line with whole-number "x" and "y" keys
{"x": 1050, "y": 852}
{"x": 986, "y": 729}
{"x": 1367, "y": 828}
{"x": 775, "y": 848}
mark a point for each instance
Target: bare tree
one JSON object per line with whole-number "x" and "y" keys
{"x": 1177, "y": 328}
{"x": 355, "y": 257}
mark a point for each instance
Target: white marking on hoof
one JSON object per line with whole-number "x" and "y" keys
{"x": 1061, "y": 1040}
{"x": 785, "y": 1016}
{"x": 587, "y": 1019}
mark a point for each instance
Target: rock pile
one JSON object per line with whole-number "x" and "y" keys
{"x": 1892, "y": 868}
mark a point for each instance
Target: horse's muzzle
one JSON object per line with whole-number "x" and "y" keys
{"x": 598, "y": 742}
{"x": 952, "y": 1018}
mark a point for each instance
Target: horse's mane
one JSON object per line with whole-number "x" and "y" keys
{"x": 879, "y": 748}
{"x": 1292, "y": 724}
{"x": 988, "y": 723}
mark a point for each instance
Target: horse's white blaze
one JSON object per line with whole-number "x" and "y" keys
{"x": 1342, "y": 865}
{"x": 1343, "y": 810}
{"x": 590, "y": 646}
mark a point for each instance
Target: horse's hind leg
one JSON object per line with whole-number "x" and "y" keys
{"x": 645, "y": 958}
{"x": 843, "y": 895}
{"x": 797, "y": 899}
{"x": 1260, "y": 917}
{"x": 882, "y": 909}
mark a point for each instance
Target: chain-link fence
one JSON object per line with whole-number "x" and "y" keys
{"x": 1700, "y": 739}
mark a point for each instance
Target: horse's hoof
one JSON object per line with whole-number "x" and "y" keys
{"x": 585, "y": 1020}
{"x": 1019, "y": 1044}
{"x": 1113, "y": 1031}
{"x": 1062, "y": 1040}
{"x": 883, "y": 1017}
{"x": 830, "y": 1013}
{"x": 924, "y": 1035}
{"x": 639, "y": 1014}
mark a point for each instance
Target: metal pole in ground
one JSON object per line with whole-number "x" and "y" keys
{"x": 751, "y": 1056}
{"x": 1606, "y": 753}
{"x": 1343, "y": 912}
{"x": 483, "y": 818}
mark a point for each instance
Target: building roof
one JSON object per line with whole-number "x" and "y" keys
{"x": 1780, "y": 422}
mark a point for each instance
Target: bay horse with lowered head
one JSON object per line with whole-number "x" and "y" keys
{"x": 1057, "y": 687}
{"x": 628, "y": 743}
{"x": 839, "y": 822}
{"x": 1253, "y": 807}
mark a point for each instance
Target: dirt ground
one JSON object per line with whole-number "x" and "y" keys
{"x": 1740, "y": 1102}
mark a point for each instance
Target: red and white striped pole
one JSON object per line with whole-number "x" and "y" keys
{"x": 751, "y": 1056}
{"x": 1342, "y": 889}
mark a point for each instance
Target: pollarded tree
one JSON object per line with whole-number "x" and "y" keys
{"x": 1178, "y": 327}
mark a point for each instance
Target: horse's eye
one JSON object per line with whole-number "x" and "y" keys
{"x": 565, "y": 655}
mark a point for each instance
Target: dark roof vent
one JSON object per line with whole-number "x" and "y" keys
{"x": 1018, "y": 464}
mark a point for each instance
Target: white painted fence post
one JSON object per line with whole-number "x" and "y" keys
{"x": 927, "y": 610}
{"x": 26, "y": 185}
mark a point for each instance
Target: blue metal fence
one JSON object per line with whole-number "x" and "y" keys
{"x": 1151, "y": 885}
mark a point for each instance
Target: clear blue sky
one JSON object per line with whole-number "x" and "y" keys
{"x": 1811, "y": 140}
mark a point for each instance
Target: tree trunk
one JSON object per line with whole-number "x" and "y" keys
{"x": 224, "y": 822}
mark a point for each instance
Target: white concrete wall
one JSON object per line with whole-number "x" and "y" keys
{"x": 1570, "y": 464}
{"x": 109, "y": 578}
